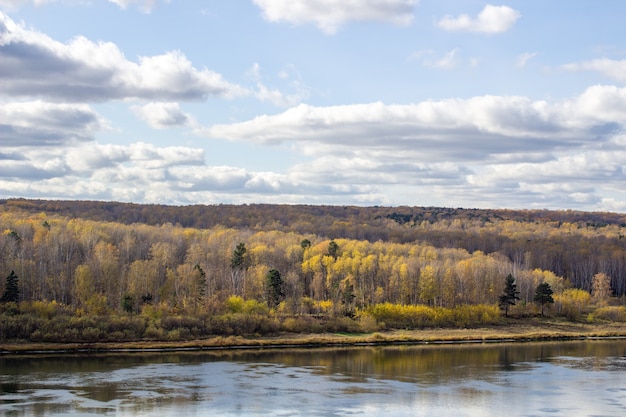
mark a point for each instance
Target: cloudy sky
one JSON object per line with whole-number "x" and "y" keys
{"x": 453, "y": 103}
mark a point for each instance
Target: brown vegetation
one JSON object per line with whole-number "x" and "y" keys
{"x": 91, "y": 272}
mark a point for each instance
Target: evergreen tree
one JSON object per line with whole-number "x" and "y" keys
{"x": 333, "y": 249}
{"x": 275, "y": 291}
{"x": 11, "y": 289}
{"x": 543, "y": 295}
{"x": 239, "y": 256}
{"x": 509, "y": 296}
{"x": 200, "y": 284}
{"x": 128, "y": 303}
{"x": 238, "y": 265}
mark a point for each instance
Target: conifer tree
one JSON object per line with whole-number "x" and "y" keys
{"x": 543, "y": 295}
{"x": 238, "y": 265}
{"x": 333, "y": 249}
{"x": 275, "y": 291}
{"x": 510, "y": 295}
{"x": 11, "y": 289}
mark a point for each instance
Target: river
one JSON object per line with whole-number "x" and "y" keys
{"x": 585, "y": 378}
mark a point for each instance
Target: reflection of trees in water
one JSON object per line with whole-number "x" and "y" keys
{"x": 109, "y": 377}
{"x": 433, "y": 364}
{"x": 144, "y": 381}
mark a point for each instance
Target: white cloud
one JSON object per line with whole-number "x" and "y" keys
{"x": 278, "y": 98}
{"x": 163, "y": 115}
{"x": 522, "y": 59}
{"x": 14, "y": 4}
{"x": 275, "y": 96}
{"x": 329, "y": 15}
{"x": 34, "y": 65}
{"x": 144, "y": 5}
{"x": 254, "y": 73}
{"x": 448, "y": 61}
{"x": 492, "y": 19}
{"x": 607, "y": 67}
{"x": 40, "y": 123}
{"x": 490, "y": 148}
{"x": 452, "y": 129}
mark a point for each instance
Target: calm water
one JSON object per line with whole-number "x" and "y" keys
{"x": 534, "y": 379}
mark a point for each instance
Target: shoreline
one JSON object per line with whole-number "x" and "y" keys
{"x": 513, "y": 332}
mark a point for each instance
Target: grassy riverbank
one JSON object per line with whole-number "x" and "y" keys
{"x": 512, "y": 331}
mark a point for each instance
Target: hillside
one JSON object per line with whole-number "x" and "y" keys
{"x": 90, "y": 271}
{"x": 298, "y": 218}
{"x": 571, "y": 244}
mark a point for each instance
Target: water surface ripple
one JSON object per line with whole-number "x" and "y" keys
{"x": 532, "y": 379}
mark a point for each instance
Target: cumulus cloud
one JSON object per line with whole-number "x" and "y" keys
{"x": 492, "y": 19}
{"x": 40, "y": 123}
{"x": 448, "y": 129}
{"x": 163, "y": 115}
{"x": 329, "y": 15}
{"x": 486, "y": 146}
{"x": 14, "y": 4}
{"x": 608, "y": 67}
{"x": 144, "y": 5}
{"x": 34, "y": 65}
{"x": 142, "y": 172}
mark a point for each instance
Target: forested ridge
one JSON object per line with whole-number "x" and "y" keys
{"x": 170, "y": 272}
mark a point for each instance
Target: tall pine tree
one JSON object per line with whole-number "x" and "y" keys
{"x": 275, "y": 291}
{"x": 510, "y": 295}
{"x": 11, "y": 289}
{"x": 543, "y": 295}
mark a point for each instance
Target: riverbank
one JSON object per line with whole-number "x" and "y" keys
{"x": 513, "y": 331}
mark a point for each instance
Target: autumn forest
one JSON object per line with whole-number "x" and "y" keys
{"x": 85, "y": 271}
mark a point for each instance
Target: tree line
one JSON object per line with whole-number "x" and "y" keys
{"x": 88, "y": 268}
{"x": 572, "y": 244}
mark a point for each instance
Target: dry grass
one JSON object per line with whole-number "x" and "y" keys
{"x": 515, "y": 330}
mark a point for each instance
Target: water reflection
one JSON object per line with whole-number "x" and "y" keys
{"x": 574, "y": 378}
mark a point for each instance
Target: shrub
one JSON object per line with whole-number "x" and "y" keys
{"x": 234, "y": 304}
{"x": 419, "y": 316}
{"x": 611, "y": 314}
{"x": 153, "y": 333}
{"x": 367, "y": 323}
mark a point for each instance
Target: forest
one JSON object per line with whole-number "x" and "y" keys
{"x": 92, "y": 271}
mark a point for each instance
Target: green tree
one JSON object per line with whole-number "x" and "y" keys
{"x": 275, "y": 292}
{"x": 11, "y": 289}
{"x": 333, "y": 249}
{"x": 305, "y": 243}
{"x": 239, "y": 256}
{"x": 128, "y": 303}
{"x": 543, "y": 295}
{"x": 238, "y": 266}
{"x": 200, "y": 283}
{"x": 510, "y": 295}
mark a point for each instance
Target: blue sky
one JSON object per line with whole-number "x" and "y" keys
{"x": 511, "y": 104}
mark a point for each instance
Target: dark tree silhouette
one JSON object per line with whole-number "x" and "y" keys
{"x": 11, "y": 289}
{"x": 275, "y": 291}
{"x": 510, "y": 295}
{"x": 333, "y": 249}
{"x": 543, "y": 295}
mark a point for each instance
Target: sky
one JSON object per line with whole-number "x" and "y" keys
{"x": 449, "y": 103}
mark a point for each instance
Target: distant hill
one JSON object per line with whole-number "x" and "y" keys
{"x": 572, "y": 244}
{"x": 340, "y": 221}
